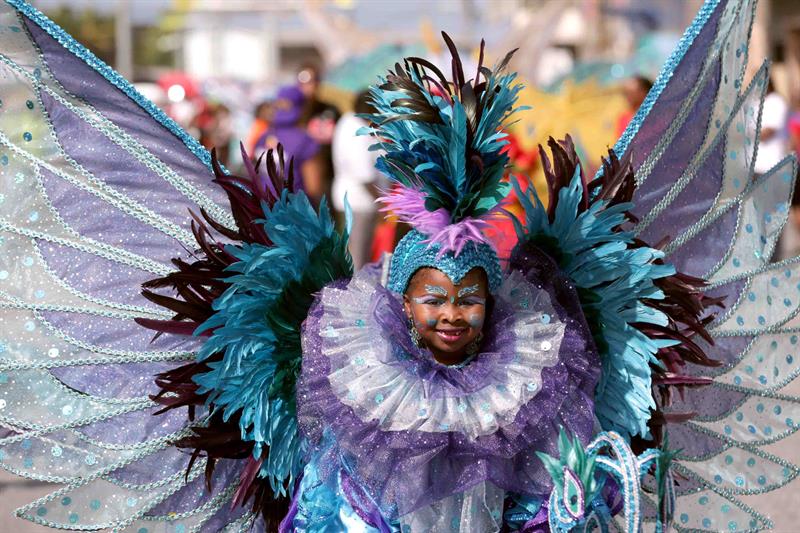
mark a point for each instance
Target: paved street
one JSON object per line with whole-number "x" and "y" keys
{"x": 15, "y": 492}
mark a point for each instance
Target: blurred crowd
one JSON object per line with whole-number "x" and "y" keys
{"x": 331, "y": 160}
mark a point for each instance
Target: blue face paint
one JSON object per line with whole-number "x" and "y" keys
{"x": 431, "y": 322}
{"x": 476, "y": 321}
{"x": 429, "y": 300}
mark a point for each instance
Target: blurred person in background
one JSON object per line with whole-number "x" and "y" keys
{"x": 355, "y": 175}
{"x": 772, "y": 146}
{"x": 285, "y": 128}
{"x": 793, "y": 128}
{"x": 214, "y": 127}
{"x": 789, "y": 244}
{"x": 319, "y": 119}
{"x": 261, "y": 119}
{"x": 634, "y": 90}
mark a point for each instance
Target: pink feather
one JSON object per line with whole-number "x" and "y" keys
{"x": 409, "y": 206}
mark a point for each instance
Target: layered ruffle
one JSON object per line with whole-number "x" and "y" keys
{"x": 412, "y": 431}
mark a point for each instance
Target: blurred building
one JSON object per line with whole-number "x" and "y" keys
{"x": 258, "y": 40}
{"x": 261, "y": 40}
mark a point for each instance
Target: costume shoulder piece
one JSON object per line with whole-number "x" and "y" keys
{"x": 693, "y": 319}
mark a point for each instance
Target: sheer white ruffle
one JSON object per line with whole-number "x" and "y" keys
{"x": 372, "y": 378}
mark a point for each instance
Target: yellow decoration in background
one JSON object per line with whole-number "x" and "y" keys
{"x": 587, "y": 111}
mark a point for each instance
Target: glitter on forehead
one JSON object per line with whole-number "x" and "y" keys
{"x": 466, "y": 291}
{"x": 436, "y": 289}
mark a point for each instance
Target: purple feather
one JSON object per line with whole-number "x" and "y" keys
{"x": 409, "y": 206}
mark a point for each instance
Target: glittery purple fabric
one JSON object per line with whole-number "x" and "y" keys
{"x": 94, "y": 275}
{"x": 704, "y": 251}
{"x": 80, "y": 79}
{"x": 92, "y": 216}
{"x": 406, "y": 470}
{"x": 668, "y": 105}
{"x": 667, "y": 170}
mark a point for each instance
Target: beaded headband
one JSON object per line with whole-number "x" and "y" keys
{"x": 414, "y": 252}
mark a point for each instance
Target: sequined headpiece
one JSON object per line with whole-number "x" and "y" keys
{"x": 443, "y": 143}
{"x": 414, "y": 252}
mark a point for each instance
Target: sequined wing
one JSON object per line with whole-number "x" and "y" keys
{"x": 693, "y": 145}
{"x": 95, "y": 188}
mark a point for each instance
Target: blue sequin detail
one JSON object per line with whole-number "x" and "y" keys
{"x": 412, "y": 253}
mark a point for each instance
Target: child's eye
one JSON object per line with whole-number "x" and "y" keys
{"x": 473, "y": 300}
{"x": 429, "y": 300}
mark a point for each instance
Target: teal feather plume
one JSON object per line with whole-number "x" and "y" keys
{"x": 623, "y": 285}
{"x": 443, "y": 142}
{"x": 257, "y": 323}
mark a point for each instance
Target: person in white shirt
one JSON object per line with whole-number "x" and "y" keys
{"x": 355, "y": 175}
{"x": 772, "y": 139}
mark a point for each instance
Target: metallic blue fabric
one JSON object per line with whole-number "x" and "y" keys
{"x": 414, "y": 252}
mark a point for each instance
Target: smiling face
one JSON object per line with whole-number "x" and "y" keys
{"x": 448, "y": 316}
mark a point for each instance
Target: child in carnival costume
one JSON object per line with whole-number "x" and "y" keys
{"x": 445, "y": 399}
{"x": 432, "y": 391}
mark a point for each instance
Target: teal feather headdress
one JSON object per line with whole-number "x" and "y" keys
{"x": 444, "y": 146}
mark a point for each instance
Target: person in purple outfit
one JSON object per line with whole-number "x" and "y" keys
{"x": 285, "y": 129}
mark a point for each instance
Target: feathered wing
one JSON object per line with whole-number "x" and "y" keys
{"x": 693, "y": 146}
{"x": 96, "y": 191}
